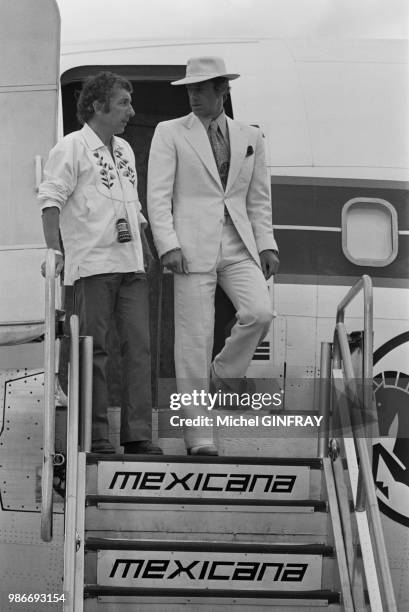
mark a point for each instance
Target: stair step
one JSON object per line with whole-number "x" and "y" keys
{"x": 230, "y": 479}
{"x": 315, "y": 505}
{"x": 199, "y": 522}
{"x": 139, "y": 604}
{"x": 249, "y": 597}
{"x": 312, "y": 462}
{"x": 239, "y": 566}
{"x": 248, "y": 547}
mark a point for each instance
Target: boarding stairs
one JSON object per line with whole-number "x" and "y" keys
{"x": 210, "y": 534}
{"x": 228, "y": 533}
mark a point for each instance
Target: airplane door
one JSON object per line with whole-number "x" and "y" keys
{"x": 29, "y": 48}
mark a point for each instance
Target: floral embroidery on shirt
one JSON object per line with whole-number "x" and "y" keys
{"x": 106, "y": 171}
{"x": 124, "y": 166}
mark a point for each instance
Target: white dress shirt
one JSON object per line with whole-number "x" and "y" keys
{"x": 221, "y": 122}
{"x": 92, "y": 191}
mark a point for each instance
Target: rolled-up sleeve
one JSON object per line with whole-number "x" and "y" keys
{"x": 60, "y": 176}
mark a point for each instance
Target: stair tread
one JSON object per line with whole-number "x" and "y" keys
{"x": 92, "y": 543}
{"x": 312, "y": 462}
{"x": 317, "y": 504}
{"x": 331, "y": 596}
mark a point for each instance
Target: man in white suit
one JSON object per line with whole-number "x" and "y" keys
{"x": 210, "y": 212}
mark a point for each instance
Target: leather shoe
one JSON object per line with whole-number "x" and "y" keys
{"x": 142, "y": 447}
{"x": 102, "y": 446}
{"x": 208, "y": 450}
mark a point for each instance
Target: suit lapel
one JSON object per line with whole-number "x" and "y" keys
{"x": 238, "y": 148}
{"x": 196, "y": 136}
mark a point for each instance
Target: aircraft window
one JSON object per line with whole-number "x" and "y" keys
{"x": 369, "y": 232}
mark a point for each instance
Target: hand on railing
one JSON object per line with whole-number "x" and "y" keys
{"x": 58, "y": 263}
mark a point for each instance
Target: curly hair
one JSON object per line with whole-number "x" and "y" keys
{"x": 99, "y": 88}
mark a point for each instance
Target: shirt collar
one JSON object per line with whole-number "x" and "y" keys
{"x": 220, "y": 120}
{"x": 93, "y": 140}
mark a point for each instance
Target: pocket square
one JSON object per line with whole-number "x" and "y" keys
{"x": 249, "y": 151}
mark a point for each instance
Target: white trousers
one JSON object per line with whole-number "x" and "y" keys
{"x": 243, "y": 281}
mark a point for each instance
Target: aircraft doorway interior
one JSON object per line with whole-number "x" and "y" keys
{"x": 153, "y": 100}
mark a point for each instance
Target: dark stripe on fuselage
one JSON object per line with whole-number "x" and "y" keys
{"x": 321, "y": 181}
{"x": 318, "y": 203}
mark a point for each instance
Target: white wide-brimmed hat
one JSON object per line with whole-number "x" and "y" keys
{"x": 203, "y": 69}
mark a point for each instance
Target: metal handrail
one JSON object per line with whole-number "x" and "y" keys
{"x": 49, "y": 401}
{"x": 365, "y": 471}
{"x": 72, "y": 466}
{"x": 85, "y": 393}
{"x": 365, "y": 284}
{"x": 366, "y": 499}
{"x": 324, "y": 399}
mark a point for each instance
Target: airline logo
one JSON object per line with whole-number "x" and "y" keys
{"x": 225, "y": 481}
{"x": 209, "y": 570}
{"x": 391, "y": 449}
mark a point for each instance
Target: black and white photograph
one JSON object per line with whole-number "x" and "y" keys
{"x": 204, "y": 306}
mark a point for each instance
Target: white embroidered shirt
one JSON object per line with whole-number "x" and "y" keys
{"x": 92, "y": 191}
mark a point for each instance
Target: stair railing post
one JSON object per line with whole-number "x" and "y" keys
{"x": 324, "y": 399}
{"x": 49, "y": 401}
{"x": 86, "y": 350}
{"x": 70, "y": 536}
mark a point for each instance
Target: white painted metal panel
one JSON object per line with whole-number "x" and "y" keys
{"x": 22, "y": 285}
{"x": 28, "y": 36}
{"x": 28, "y": 565}
{"x": 295, "y": 300}
{"x": 357, "y": 113}
{"x": 28, "y": 120}
{"x": 389, "y": 302}
{"x": 29, "y": 48}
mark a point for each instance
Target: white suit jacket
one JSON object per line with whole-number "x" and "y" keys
{"x": 186, "y": 198}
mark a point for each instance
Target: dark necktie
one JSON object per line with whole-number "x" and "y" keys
{"x": 221, "y": 151}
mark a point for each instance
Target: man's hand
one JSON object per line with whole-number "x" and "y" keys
{"x": 269, "y": 263}
{"x": 175, "y": 261}
{"x": 59, "y": 264}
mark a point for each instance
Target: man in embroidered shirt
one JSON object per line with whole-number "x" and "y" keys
{"x": 210, "y": 212}
{"x": 90, "y": 185}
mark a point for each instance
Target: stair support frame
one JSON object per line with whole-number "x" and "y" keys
{"x": 71, "y": 499}
{"x": 377, "y": 571}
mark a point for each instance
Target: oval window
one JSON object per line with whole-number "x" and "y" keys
{"x": 369, "y": 232}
